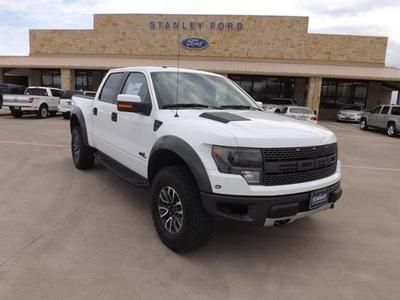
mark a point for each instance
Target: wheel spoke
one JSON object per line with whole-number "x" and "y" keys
{"x": 163, "y": 211}
{"x": 170, "y": 209}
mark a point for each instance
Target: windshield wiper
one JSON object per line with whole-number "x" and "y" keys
{"x": 239, "y": 107}
{"x": 189, "y": 105}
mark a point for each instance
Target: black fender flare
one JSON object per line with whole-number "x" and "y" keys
{"x": 77, "y": 117}
{"x": 188, "y": 155}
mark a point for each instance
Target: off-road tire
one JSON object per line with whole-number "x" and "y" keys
{"x": 43, "y": 112}
{"x": 363, "y": 124}
{"x": 82, "y": 155}
{"x": 197, "y": 225}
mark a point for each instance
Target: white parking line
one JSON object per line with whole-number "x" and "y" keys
{"x": 33, "y": 144}
{"x": 370, "y": 168}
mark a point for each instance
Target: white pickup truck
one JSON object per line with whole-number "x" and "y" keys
{"x": 41, "y": 101}
{"x": 206, "y": 149}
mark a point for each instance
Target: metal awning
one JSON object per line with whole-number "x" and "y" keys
{"x": 235, "y": 66}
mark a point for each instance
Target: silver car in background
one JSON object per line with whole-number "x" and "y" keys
{"x": 349, "y": 113}
{"x": 276, "y": 105}
{"x": 384, "y": 117}
{"x": 299, "y": 113}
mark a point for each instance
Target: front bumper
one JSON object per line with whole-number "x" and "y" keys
{"x": 348, "y": 118}
{"x": 64, "y": 109}
{"x": 269, "y": 210}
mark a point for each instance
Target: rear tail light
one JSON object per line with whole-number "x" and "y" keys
{"x": 31, "y": 99}
{"x": 314, "y": 118}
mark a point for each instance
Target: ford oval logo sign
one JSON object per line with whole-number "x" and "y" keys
{"x": 195, "y": 43}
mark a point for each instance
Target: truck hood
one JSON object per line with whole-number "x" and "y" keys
{"x": 261, "y": 129}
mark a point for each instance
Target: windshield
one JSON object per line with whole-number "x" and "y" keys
{"x": 301, "y": 110}
{"x": 351, "y": 107}
{"x": 198, "y": 90}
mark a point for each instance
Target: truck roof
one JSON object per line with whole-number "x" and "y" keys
{"x": 150, "y": 69}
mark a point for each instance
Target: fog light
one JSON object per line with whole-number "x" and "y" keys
{"x": 251, "y": 177}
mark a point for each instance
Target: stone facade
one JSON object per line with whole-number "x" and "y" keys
{"x": 67, "y": 79}
{"x": 314, "y": 93}
{"x": 230, "y": 37}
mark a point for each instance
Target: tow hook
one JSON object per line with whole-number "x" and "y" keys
{"x": 281, "y": 223}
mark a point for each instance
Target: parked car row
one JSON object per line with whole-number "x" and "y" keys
{"x": 42, "y": 101}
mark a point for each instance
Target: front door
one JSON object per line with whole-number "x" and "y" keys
{"x": 373, "y": 119}
{"x": 135, "y": 130}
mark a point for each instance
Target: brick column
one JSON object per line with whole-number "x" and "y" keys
{"x": 67, "y": 79}
{"x": 35, "y": 78}
{"x": 314, "y": 93}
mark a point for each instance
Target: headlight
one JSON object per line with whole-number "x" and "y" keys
{"x": 242, "y": 161}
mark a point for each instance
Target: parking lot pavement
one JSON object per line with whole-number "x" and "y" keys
{"x": 68, "y": 234}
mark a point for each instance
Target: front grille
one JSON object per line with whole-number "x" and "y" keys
{"x": 300, "y": 164}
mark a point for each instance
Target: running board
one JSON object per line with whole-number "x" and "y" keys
{"x": 122, "y": 171}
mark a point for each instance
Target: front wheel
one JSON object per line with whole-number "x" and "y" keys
{"x": 363, "y": 124}
{"x": 82, "y": 155}
{"x": 178, "y": 215}
{"x": 391, "y": 130}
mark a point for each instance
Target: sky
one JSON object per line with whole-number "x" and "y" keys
{"x": 360, "y": 17}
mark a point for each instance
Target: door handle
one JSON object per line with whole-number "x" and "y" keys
{"x": 95, "y": 111}
{"x": 114, "y": 117}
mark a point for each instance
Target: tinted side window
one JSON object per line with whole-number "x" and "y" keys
{"x": 111, "y": 88}
{"x": 376, "y": 110}
{"x": 56, "y": 93}
{"x": 396, "y": 110}
{"x": 136, "y": 84}
{"x": 385, "y": 110}
{"x": 36, "y": 92}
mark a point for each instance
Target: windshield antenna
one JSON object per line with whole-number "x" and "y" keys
{"x": 177, "y": 75}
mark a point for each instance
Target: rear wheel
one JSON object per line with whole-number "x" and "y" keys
{"x": 363, "y": 124}
{"x": 391, "y": 130}
{"x": 82, "y": 155}
{"x": 178, "y": 215}
{"x": 16, "y": 113}
{"x": 43, "y": 111}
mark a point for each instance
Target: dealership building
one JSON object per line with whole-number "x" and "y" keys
{"x": 268, "y": 56}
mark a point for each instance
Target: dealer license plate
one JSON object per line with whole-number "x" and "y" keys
{"x": 319, "y": 198}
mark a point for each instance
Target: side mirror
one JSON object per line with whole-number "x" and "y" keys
{"x": 260, "y": 104}
{"x": 132, "y": 103}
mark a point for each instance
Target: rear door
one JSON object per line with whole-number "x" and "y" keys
{"x": 105, "y": 116}
{"x": 54, "y": 100}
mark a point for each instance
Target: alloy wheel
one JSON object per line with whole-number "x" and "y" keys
{"x": 170, "y": 210}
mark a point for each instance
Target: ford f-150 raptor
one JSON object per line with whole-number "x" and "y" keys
{"x": 41, "y": 101}
{"x": 206, "y": 149}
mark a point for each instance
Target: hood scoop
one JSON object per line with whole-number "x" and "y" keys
{"x": 223, "y": 117}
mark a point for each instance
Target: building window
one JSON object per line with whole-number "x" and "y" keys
{"x": 51, "y": 78}
{"x": 262, "y": 88}
{"x": 83, "y": 80}
{"x": 336, "y": 93}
